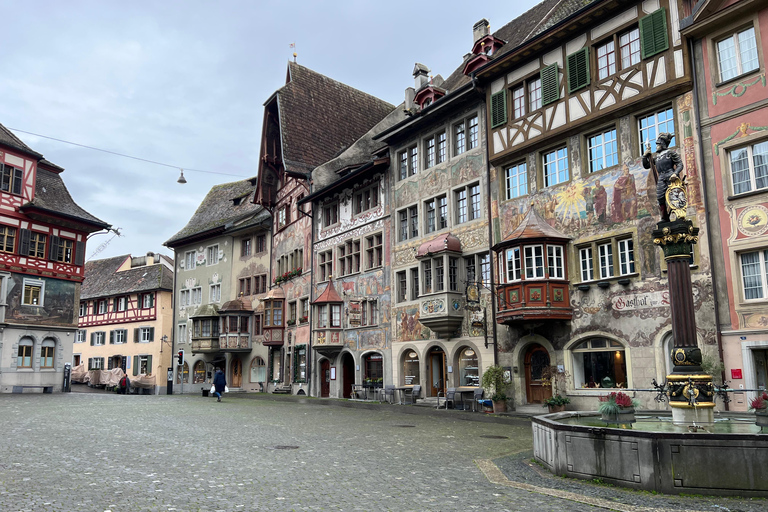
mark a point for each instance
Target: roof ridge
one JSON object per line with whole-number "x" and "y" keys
{"x": 333, "y": 80}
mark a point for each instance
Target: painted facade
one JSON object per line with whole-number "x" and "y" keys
{"x": 730, "y": 41}
{"x": 42, "y": 253}
{"x": 567, "y": 130}
{"x": 126, "y": 317}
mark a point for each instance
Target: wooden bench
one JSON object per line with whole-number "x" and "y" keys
{"x": 20, "y": 389}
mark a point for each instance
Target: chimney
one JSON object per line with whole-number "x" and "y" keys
{"x": 150, "y": 259}
{"x": 420, "y": 75}
{"x": 410, "y": 94}
{"x": 480, "y": 29}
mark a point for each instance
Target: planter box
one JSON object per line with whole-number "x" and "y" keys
{"x": 499, "y": 406}
{"x": 623, "y": 417}
{"x": 556, "y": 408}
{"x": 761, "y": 418}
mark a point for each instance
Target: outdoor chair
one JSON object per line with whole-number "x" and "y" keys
{"x": 389, "y": 394}
{"x": 449, "y": 398}
{"x": 476, "y": 397}
{"x": 415, "y": 393}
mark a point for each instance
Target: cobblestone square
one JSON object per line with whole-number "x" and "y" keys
{"x": 107, "y": 452}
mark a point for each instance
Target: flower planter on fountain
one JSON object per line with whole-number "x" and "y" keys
{"x": 618, "y": 408}
{"x": 760, "y": 406}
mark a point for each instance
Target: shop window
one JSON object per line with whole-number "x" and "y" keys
{"x": 411, "y": 368}
{"x": 374, "y": 367}
{"x": 47, "y": 353}
{"x": 599, "y": 363}
{"x": 198, "y": 375}
{"x": 300, "y": 364}
{"x": 469, "y": 374}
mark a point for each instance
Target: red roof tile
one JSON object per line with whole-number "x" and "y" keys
{"x": 329, "y": 295}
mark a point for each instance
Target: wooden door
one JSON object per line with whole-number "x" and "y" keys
{"x": 436, "y": 372}
{"x": 536, "y": 360}
{"x": 237, "y": 373}
{"x": 325, "y": 378}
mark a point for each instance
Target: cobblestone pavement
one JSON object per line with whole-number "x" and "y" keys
{"x": 106, "y": 452}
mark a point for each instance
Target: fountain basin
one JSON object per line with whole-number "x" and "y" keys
{"x": 729, "y": 459}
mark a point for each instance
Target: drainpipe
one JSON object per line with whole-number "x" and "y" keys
{"x": 697, "y": 119}
{"x": 174, "y": 344}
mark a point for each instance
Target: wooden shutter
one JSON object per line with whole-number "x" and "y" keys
{"x": 135, "y": 365}
{"x": 109, "y": 363}
{"x": 93, "y": 338}
{"x": 136, "y": 335}
{"x": 550, "y": 84}
{"x": 653, "y": 33}
{"x": 80, "y": 253}
{"x": 53, "y": 250}
{"x": 90, "y": 362}
{"x": 578, "y": 70}
{"x": 499, "y": 108}
{"x": 151, "y": 334}
{"x": 24, "y": 236}
{"x": 111, "y": 337}
{"x": 149, "y": 365}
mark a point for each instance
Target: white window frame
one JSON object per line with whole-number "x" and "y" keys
{"x": 147, "y": 301}
{"x": 214, "y": 293}
{"x": 605, "y": 260}
{"x": 183, "y": 332}
{"x": 122, "y": 303}
{"x": 654, "y": 127}
{"x": 185, "y": 297}
{"x": 99, "y": 338}
{"x": 626, "y": 250}
{"x": 606, "y": 59}
{"x": 83, "y": 309}
{"x": 550, "y": 161}
{"x": 738, "y": 54}
{"x": 751, "y": 168}
{"x": 80, "y": 336}
{"x": 514, "y": 264}
{"x": 212, "y": 255}
{"x": 587, "y": 264}
{"x": 532, "y": 271}
{"x": 762, "y": 274}
{"x": 335, "y": 316}
{"x": 555, "y": 262}
{"x": 606, "y": 147}
{"x": 120, "y": 336}
{"x": 197, "y": 295}
{"x": 190, "y": 260}
{"x": 145, "y": 334}
{"x": 103, "y": 306}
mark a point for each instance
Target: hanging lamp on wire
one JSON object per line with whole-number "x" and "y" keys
{"x": 181, "y": 179}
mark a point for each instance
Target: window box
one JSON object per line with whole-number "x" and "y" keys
{"x": 287, "y": 276}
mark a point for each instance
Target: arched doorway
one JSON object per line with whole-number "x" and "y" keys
{"x": 436, "y": 371}
{"x": 237, "y": 373}
{"x": 347, "y": 375}
{"x": 325, "y": 378}
{"x": 536, "y": 360}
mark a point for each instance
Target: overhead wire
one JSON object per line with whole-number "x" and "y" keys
{"x": 126, "y": 156}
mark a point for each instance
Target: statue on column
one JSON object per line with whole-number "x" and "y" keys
{"x": 665, "y": 166}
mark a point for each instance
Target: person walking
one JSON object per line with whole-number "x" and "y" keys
{"x": 219, "y": 383}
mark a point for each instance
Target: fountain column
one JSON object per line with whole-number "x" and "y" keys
{"x": 690, "y": 390}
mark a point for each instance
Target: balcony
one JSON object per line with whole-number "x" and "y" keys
{"x": 205, "y": 345}
{"x": 235, "y": 342}
{"x": 529, "y": 301}
{"x": 442, "y": 313}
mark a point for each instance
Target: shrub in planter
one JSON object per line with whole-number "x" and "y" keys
{"x": 557, "y": 403}
{"x": 618, "y": 407}
{"x": 759, "y": 404}
{"x": 495, "y": 386}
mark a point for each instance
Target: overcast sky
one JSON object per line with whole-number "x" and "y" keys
{"x": 184, "y": 83}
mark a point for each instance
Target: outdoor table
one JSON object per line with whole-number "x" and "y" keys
{"x": 401, "y": 392}
{"x": 461, "y": 391}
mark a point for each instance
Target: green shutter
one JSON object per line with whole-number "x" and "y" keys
{"x": 111, "y": 337}
{"x": 136, "y": 335}
{"x": 93, "y": 338}
{"x": 550, "y": 84}
{"x": 151, "y": 334}
{"x": 653, "y": 33}
{"x": 499, "y": 108}
{"x": 135, "y": 365}
{"x": 149, "y": 365}
{"x": 578, "y": 70}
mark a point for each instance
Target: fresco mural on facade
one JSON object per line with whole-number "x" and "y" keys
{"x": 408, "y": 327}
{"x": 468, "y": 168}
{"x": 371, "y": 339}
{"x": 58, "y": 302}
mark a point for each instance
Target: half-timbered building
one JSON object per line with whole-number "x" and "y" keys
{"x": 126, "y": 317}
{"x": 307, "y": 122}
{"x": 42, "y": 253}
{"x": 730, "y": 45}
{"x": 574, "y": 99}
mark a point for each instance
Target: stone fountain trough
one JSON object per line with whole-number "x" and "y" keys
{"x": 731, "y": 459}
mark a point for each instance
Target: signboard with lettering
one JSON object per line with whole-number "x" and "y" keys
{"x": 633, "y": 301}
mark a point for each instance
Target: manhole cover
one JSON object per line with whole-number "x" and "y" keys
{"x": 282, "y": 447}
{"x": 495, "y": 437}
{"x": 406, "y": 426}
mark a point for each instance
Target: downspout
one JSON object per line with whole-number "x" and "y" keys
{"x": 490, "y": 230}
{"x": 174, "y": 347}
{"x": 697, "y": 119}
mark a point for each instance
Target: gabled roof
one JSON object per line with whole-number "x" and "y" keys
{"x": 329, "y": 295}
{"x": 9, "y": 139}
{"x": 52, "y": 197}
{"x": 223, "y": 206}
{"x": 320, "y": 117}
{"x": 533, "y": 228}
{"x": 103, "y": 280}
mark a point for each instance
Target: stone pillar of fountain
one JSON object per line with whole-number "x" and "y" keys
{"x": 690, "y": 390}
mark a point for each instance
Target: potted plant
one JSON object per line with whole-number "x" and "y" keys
{"x": 291, "y": 322}
{"x": 618, "y": 408}
{"x": 555, "y": 377}
{"x": 495, "y": 386}
{"x": 304, "y": 319}
{"x": 556, "y": 403}
{"x": 759, "y": 404}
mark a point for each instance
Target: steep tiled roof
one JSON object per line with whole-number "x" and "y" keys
{"x": 329, "y": 295}
{"x": 534, "y": 227}
{"x": 320, "y": 117}
{"x": 9, "y": 139}
{"x": 103, "y": 280}
{"x": 52, "y": 195}
{"x": 219, "y": 208}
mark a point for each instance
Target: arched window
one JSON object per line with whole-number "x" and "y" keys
{"x": 25, "y": 353}
{"x": 599, "y": 363}
{"x": 258, "y": 370}
{"x": 374, "y": 367}
{"x": 199, "y": 373}
{"x": 184, "y": 375}
{"x": 411, "y": 368}
{"x": 468, "y": 368}
{"x": 47, "y": 353}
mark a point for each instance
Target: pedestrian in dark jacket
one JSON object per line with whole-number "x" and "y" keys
{"x": 125, "y": 385}
{"x": 219, "y": 383}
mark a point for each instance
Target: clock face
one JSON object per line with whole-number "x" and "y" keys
{"x": 677, "y": 198}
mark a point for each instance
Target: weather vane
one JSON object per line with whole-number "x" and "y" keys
{"x": 293, "y": 46}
